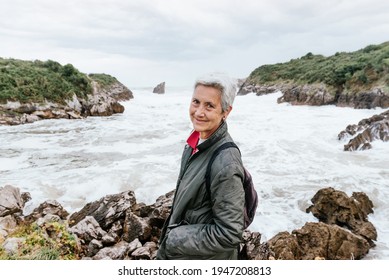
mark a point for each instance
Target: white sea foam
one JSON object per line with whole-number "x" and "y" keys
{"x": 291, "y": 151}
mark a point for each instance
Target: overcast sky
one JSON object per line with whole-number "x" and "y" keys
{"x": 143, "y": 43}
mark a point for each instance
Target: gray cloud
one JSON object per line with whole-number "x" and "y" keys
{"x": 177, "y": 39}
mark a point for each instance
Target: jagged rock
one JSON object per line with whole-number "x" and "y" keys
{"x": 147, "y": 252}
{"x": 376, "y": 97}
{"x": 107, "y": 210}
{"x": 114, "y": 232}
{"x": 251, "y": 247}
{"x": 11, "y": 201}
{"x": 259, "y": 90}
{"x": 135, "y": 244}
{"x": 7, "y": 225}
{"x": 117, "y": 91}
{"x": 319, "y": 94}
{"x": 319, "y": 241}
{"x": 160, "y": 88}
{"x": 157, "y": 212}
{"x": 48, "y": 207}
{"x": 367, "y": 131}
{"x": 330, "y": 242}
{"x": 117, "y": 252}
{"x": 312, "y": 94}
{"x": 88, "y": 229}
{"x": 49, "y": 218}
{"x": 101, "y": 105}
{"x": 94, "y": 247}
{"x": 285, "y": 246}
{"x": 136, "y": 227}
{"x": 124, "y": 220}
{"x": 336, "y": 208}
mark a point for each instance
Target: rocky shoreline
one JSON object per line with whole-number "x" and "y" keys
{"x": 360, "y": 135}
{"x": 104, "y": 101}
{"x": 320, "y": 94}
{"x": 117, "y": 227}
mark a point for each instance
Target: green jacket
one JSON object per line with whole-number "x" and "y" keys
{"x": 200, "y": 227}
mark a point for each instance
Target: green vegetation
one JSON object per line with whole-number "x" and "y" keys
{"x": 103, "y": 79}
{"x": 51, "y": 241}
{"x": 37, "y": 81}
{"x": 361, "y": 69}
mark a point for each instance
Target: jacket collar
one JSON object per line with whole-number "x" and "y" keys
{"x": 215, "y": 137}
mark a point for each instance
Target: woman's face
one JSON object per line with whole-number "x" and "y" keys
{"x": 205, "y": 110}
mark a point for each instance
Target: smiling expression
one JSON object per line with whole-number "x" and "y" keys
{"x": 205, "y": 110}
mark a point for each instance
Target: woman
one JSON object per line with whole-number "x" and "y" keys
{"x": 203, "y": 226}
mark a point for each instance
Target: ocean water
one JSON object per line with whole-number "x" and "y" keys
{"x": 291, "y": 151}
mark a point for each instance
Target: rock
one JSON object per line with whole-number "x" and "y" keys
{"x": 367, "y": 131}
{"x": 330, "y": 242}
{"x": 101, "y": 105}
{"x": 160, "y": 88}
{"x": 11, "y": 201}
{"x": 336, "y": 208}
{"x": 7, "y": 225}
{"x": 11, "y": 245}
{"x": 312, "y": 94}
{"x": 252, "y": 249}
{"x": 136, "y": 227}
{"x": 285, "y": 246}
{"x": 94, "y": 247}
{"x": 88, "y": 229}
{"x": 107, "y": 210}
{"x": 74, "y": 104}
{"x": 319, "y": 241}
{"x": 51, "y": 207}
{"x": 259, "y": 90}
{"x": 134, "y": 245}
{"x": 376, "y": 97}
{"x": 117, "y": 228}
{"x": 318, "y": 94}
{"x": 117, "y": 252}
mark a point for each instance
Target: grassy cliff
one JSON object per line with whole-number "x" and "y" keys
{"x": 354, "y": 71}
{"x": 37, "y": 81}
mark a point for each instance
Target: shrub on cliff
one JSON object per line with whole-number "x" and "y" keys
{"x": 360, "y": 69}
{"x": 104, "y": 80}
{"x": 38, "y": 81}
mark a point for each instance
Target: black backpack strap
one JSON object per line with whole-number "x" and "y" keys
{"x": 214, "y": 155}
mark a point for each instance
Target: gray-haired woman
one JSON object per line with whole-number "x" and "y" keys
{"x": 202, "y": 224}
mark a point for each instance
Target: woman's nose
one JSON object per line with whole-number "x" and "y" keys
{"x": 200, "y": 111}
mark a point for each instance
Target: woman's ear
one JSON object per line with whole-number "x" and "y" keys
{"x": 226, "y": 113}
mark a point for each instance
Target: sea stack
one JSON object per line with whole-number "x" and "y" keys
{"x": 160, "y": 88}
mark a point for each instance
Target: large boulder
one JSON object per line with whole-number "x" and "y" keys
{"x": 319, "y": 241}
{"x": 334, "y": 207}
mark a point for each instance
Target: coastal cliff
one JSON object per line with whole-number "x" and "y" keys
{"x": 357, "y": 79}
{"x": 36, "y": 90}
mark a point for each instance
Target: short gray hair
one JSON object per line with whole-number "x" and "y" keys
{"x": 222, "y": 82}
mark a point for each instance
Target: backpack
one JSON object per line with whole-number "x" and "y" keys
{"x": 251, "y": 196}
